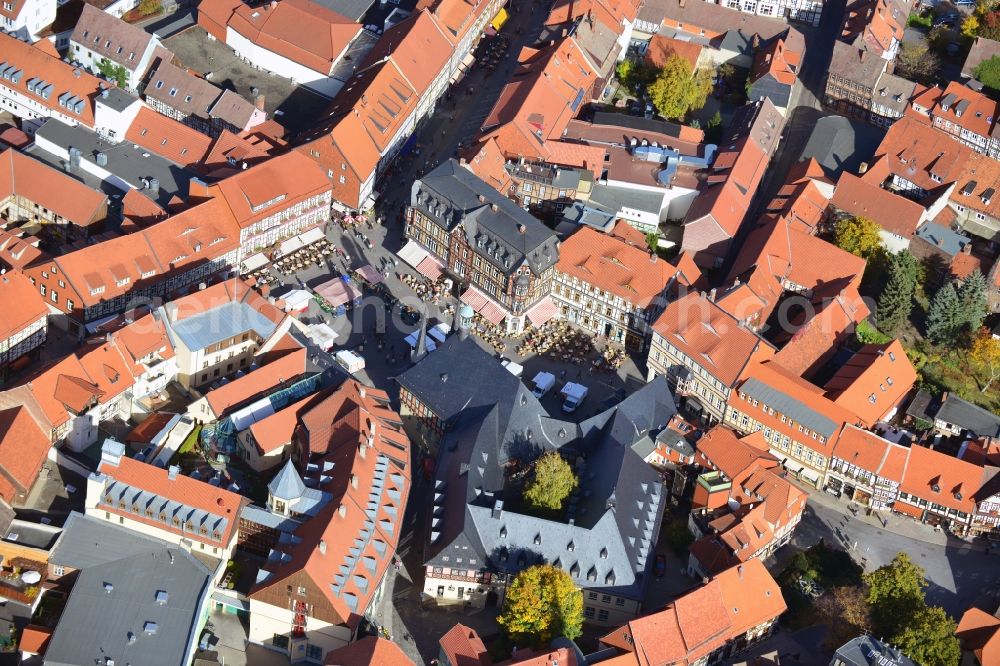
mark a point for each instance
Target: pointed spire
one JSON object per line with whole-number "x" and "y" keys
{"x": 287, "y": 484}
{"x": 420, "y": 351}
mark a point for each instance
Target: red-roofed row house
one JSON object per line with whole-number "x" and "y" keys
{"x": 234, "y": 218}
{"x": 737, "y": 608}
{"x": 397, "y": 85}
{"x": 743, "y": 506}
{"x": 341, "y": 520}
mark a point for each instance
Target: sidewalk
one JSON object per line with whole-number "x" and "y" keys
{"x": 900, "y": 525}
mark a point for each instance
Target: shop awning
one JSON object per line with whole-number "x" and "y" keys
{"x": 312, "y": 236}
{"x": 254, "y": 261}
{"x": 412, "y": 253}
{"x": 542, "y": 311}
{"x": 290, "y": 245}
{"x": 369, "y": 274}
{"x": 297, "y": 300}
{"x": 337, "y": 292}
{"x": 791, "y": 465}
{"x": 484, "y": 305}
{"x": 474, "y": 298}
{"x": 500, "y": 19}
{"x": 232, "y": 602}
{"x": 908, "y": 509}
{"x": 493, "y": 314}
{"x": 430, "y": 267}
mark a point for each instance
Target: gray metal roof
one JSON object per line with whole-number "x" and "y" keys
{"x": 942, "y": 238}
{"x": 789, "y": 406}
{"x": 87, "y": 541}
{"x": 840, "y": 144}
{"x": 613, "y": 199}
{"x": 968, "y": 416}
{"x": 116, "y": 98}
{"x": 287, "y": 484}
{"x": 767, "y": 86}
{"x": 113, "y": 612}
{"x": 869, "y": 651}
{"x": 453, "y": 196}
{"x": 232, "y": 318}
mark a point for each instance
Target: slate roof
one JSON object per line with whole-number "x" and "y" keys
{"x": 86, "y": 541}
{"x": 615, "y": 513}
{"x": 789, "y": 406}
{"x": 113, "y": 612}
{"x": 287, "y": 484}
{"x": 942, "y": 238}
{"x": 869, "y": 651}
{"x": 452, "y": 195}
{"x": 969, "y": 417}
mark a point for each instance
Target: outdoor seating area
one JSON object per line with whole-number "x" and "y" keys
{"x": 425, "y": 289}
{"x": 611, "y": 359}
{"x": 304, "y": 257}
{"x": 492, "y": 334}
{"x": 557, "y": 340}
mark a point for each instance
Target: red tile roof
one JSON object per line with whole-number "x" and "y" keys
{"x": 979, "y": 633}
{"x": 355, "y": 429}
{"x": 661, "y": 48}
{"x": 461, "y": 644}
{"x": 253, "y": 384}
{"x": 182, "y": 489}
{"x": 302, "y": 31}
{"x": 419, "y": 48}
{"x": 956, "y": 480}
{"x": 873, "y": 381}
{"x": 706, "y": 619}
{"x": 285, "y": 180}
{"x": 36, "y": 64}
{"x": 616, "y": 266}
{"x": 370, "y": 650}
{"x": 866, "y": 450}
{"x": 276, "y": 430}
{"x": 710, "y": 336}
{"x": 972, "y": 111}
{"x": 168, "y": 138}
{"x": 894, "y": 213}
{"x": 23, "y": 450}
{"x": 24, "y": 176}
{"x": 35, "y": 639}
{"x": 721, "y": 449}
{"x": 20, "y": 304}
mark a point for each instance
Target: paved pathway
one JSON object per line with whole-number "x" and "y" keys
{"x": 959, "y": 572}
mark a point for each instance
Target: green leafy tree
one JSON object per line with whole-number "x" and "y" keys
{"x": 541, "y": 603}
{"x": 973, "y": 303}
{"x": 896, "y": 300}
{"x": 988, "y": 72}
{"x": 858, "y": 235}
{"x": 113, "y": 72}
{"x": 676, "y": 91}
{"x": 894, "y": 591}
{"x": 929, "y": 638}
{"x": 552, "y": 480}
{"x": 635, "y": 74}
{"x": 653, "y": 240}
{"x": 944, "y": 318}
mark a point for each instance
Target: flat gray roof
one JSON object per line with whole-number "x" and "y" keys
{"x": 141, "y": 609}
{"x": 125, "y": 161}
{"x": 87, "y": 541}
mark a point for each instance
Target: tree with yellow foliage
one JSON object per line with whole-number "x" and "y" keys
{"x": 985, "y": 356}
{"x": 542, "y": 602}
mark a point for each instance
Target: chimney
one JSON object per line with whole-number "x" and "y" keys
{"x": 258, "y": 102}
{"x": 967, "y": 248}
{"x": 342, "y": 510}
{"x": 494, "y": 207}
{"x": 354, "y": 481}
{"x": 498, "y": 509}
{"x": 172, "y": 472}
{"x": 739, "y": 571}
{"x": 361, "y": 392}
{"x": 322, "y": 546}
{"x": 861, "y": 55}
{"x": 711, "y": 294}
{"x": 862, "y": 168}
{"x": 363, "y": 449}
